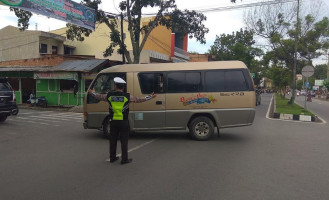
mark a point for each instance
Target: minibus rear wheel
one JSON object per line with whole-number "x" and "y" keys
{"x": 201, "y": 128}
{"x": 106, "y": 127}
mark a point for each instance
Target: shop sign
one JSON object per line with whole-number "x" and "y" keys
{"x": 299, "y": 77}
{"x": 319, "y": 82}
{"x": 56, "y": 75}
{"x": 65, "y": 10}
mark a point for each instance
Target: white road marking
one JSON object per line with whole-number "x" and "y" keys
{"x": 68, "y": 114}
{"x": 46, "y": 120}
{"x": 55, "y": 118}
{"x": 133, "y": 149}
{"x": 33, "y": 122}
{"x": 62, "y": 116}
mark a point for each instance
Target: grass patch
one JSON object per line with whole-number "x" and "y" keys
{"x": 283, "y": 107}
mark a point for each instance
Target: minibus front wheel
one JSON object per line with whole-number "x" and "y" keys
{"x": 201, "y": 128}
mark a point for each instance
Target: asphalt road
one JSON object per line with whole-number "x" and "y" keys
{"x": 319, "y": 107}
{"x": 48, "y": 155}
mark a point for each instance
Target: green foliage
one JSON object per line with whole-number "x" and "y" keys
{"x": 299, "y": 85}
{"x": 238, "y": 46}
{"x": 278, "y": 25}
{"x": 23, "y": 18}
{"x": 280, "y": 76}
{"x": 283, "y": 106}
{"x": 326, "y": 84}
{"x": 320, "y": 72}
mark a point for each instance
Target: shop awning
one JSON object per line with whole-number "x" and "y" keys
{"x": 67, "y": 70}
{"x": 80, "y": 65}
{"x": 66, "y": 66}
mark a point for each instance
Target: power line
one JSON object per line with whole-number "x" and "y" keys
{"x": 227, "y": 8}
{"x": 263, "y": 3}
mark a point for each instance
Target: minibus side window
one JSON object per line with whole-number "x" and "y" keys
{"x": 184, "y": 82}
{"x": 176, "y": 82}
{"x": 248, "y": 79}
{"x": 215, "y": 81}
{"x": 151, "y": 82}
{"x": 235, "y": 81}
{"x": 225, "y": 81}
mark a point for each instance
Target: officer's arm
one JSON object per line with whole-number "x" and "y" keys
{"x": 135, "y": 99}
{"x": 101, "y": 97}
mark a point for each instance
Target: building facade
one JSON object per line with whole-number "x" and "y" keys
{"x": 162, "y": 45}
{"x": 37, "y": 61}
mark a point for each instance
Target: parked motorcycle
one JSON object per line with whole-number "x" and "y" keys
{"x": 38, "y": 101}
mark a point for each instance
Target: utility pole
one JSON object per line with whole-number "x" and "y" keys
{"x": 122, "y": 41}
{"x": 328, "y": 69}
{"x": 292, "y": 100}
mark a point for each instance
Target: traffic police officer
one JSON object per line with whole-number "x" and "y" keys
{"x": 119, "y": 110}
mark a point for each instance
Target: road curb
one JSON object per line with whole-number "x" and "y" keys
{"x": 271, "y": 114}
{"x": 304, "y": 118}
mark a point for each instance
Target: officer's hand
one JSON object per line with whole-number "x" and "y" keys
{"x": 153, "y": 95}
{"x": 90, "y": 91}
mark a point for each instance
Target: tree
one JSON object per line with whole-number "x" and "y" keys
{"x": 186, "y": 22}
{"x": 326, "y": 84}
{"x": 279, "y": 27}
{"x": 281, "y": 78}
{"x": 320, "y": 71}
{"x": 299, "y": 85}
{"x": 238, "y": 46}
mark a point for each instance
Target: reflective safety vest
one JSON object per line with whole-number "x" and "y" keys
{"x": 118, "y": 105}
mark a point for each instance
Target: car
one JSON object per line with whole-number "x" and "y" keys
{"x": 303, "y": 92}
{"x": 7, "y": 99}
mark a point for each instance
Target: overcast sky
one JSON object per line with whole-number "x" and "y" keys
{"x": 217, "y": 22}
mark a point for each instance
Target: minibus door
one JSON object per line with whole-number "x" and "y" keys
{"x": 149, "y": 114}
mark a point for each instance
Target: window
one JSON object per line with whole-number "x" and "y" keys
{"x": 54, "y": 50}
{"x": 67, "y": 84}
{"x": 151, "y": 82}
{"x": 235, "y": 81}
{"x": 4, "y": 86}
{"x": 104, "y": 83}
{"x": 215, "y": 81}
{"x": 225, "y": 81}
{"x": 184, "y": 82}
{"x": 68, "y": 50}
{"x": 176, "y": 82}
{"x": 43, "y": 48}
{"x": 193, "y": 82}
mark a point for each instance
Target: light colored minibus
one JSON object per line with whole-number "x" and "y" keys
{"x": 198, "y": 96}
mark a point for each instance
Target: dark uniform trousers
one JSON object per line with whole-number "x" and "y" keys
{"x": 119, "y": 128}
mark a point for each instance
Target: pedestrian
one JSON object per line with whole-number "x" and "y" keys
{"x": 119, "y": 110}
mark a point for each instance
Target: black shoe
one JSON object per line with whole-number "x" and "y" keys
{"x": 126, "y": 161}
{"x": 113, "y": 160}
